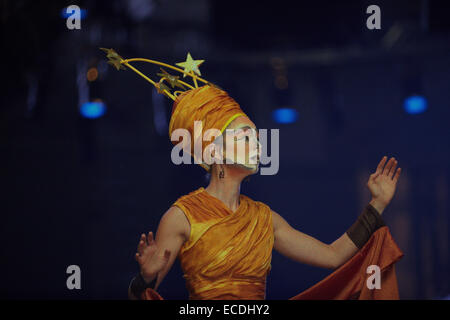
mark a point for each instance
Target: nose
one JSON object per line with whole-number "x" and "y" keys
{"x": 258, "y": 146}
{"x": 256, "y": 149}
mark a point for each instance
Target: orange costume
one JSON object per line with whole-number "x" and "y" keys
{"x": 228, "y": 254}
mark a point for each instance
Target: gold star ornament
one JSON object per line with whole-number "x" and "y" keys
{"x": 167, "y": 81}
{"x": 113, "y": 58}
{"x": 161, "y": 87}
{"x": 190, "y": 65}
{"x": 173, "y": 80}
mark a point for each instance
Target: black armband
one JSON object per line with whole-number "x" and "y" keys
{"x": 367, "y": 223}
{"x": 138, "y": 285}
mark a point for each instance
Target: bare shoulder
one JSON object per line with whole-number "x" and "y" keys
{"x": 278, "y": 221}
{"x": 175, "y": 220}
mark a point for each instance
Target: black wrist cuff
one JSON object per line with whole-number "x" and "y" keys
{"x": 367, "y": 223}
{"x": 138, "y": 285}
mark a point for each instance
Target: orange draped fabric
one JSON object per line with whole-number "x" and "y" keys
{"x": 210, "y": 105}
{"x": 349, "y": 281}
{"x": 228, "y": 255}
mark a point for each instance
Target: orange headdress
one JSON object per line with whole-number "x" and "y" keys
{"x": 212, "y": 106}
{"x": 208, "y": 104}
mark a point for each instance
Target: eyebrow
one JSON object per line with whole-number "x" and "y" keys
{"x": 245, "y": 126}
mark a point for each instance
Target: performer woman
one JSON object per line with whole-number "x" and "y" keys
{"x": 224, "y": 239}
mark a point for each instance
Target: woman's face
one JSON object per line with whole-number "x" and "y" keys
{"x": 241, "y": 134}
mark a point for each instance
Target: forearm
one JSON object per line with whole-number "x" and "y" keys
{"x": 377, "y": 205}
{"x": 343, "y": 249}
{"x": 303, "y": 248}
{"x": 359, "y": 233}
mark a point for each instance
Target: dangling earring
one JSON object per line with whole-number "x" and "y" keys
{"x": 221, "y": 173}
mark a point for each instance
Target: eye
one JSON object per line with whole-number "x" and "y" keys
{"x": 241, "y": 135}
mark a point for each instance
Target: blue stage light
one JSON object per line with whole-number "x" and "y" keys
{"x": 65, "y": 14}
{"x": 93, "y": 110}
{"x": 285, "y": 115}
{"x": 415, "y": 104}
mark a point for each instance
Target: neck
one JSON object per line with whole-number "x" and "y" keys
{"x": 227, "y": 189}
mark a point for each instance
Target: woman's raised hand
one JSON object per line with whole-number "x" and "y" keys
{"x": 383, "y": 182}
{"x": 150, "y": 259}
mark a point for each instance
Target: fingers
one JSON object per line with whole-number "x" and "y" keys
{"x": 381, "y": 164}
{"x": 397, "y": 174}
{"x": 392, "y": 169}
{"x": 150, "y": 238}
{"x": 389, "y": 170}
{"x": 144, "y": 239}
{"x": 142, "y": 244}
{"x": 138, "y": 258}
{"x": 388, "y": 166}
{"x": 373, "y": 176}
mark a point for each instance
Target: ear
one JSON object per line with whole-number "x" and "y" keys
{"x": 220, "y": 153}
{"x": 218, "y": 150}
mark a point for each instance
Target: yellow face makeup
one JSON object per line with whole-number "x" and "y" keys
{"x": 243, "y": 143}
